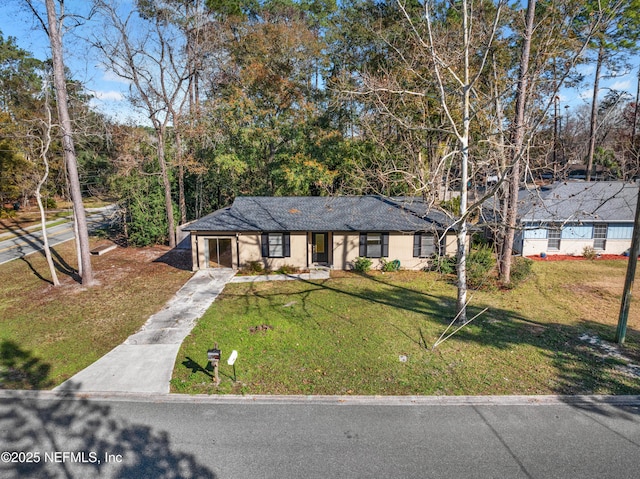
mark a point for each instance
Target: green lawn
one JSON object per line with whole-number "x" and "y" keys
{"x": 347, "y": 335}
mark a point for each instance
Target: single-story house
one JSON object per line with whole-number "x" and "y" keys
{"x": 321, "y": 231}
{"x": 566, "y": 217}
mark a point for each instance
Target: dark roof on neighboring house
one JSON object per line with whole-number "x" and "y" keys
{"x": 322, "y": 213}
{"x": 605, "y": 201}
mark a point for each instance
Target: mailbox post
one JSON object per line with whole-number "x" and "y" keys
{"x": 232, "y": 362}
{"x": 213, "y": 355}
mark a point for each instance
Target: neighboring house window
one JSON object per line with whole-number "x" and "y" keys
{"x": 276, "y": 245}
{"x": 599, "y": 236}
{"x": 553, "y": 237}
{"x": 374, "y": 245}
{"x": 424, "y": 245}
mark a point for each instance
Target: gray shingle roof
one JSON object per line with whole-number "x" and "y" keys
{"x": 338, "y": 213}
{"x": 606, "y": 201}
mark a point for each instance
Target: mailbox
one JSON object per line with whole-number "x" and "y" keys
{"x": 213, "y": 354}
{"x": 232, "y": 359}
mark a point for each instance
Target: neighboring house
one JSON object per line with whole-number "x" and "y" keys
{"x": 328, "y": 231}
{"x": 566, "y": 217}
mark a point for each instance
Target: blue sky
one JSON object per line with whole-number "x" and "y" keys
{"x": 110, "y": 91}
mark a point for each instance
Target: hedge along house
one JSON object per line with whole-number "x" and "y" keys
{"x": 305, "y": 232}
{"x": 569, "y": 216}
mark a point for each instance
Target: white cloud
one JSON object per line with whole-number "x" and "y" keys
{"x": 108, "y": 95}
{"x": 621, "y": 85}
{"x": 109, "y": 76}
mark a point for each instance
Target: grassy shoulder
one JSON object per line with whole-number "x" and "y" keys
{"x": 373, "y": 334}
{"x": 47, "y": 334}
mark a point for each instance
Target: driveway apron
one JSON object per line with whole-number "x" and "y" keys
{"x": 144, "y": 362}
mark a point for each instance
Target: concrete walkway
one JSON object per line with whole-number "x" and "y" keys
{"x": 314, "y": 274}
{"x": 144, "y": 362}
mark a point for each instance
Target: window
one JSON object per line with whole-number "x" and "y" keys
{"x": 374, "y": 245}
{"x": 276, "y": 245}
{"x": 599, "y": 236}
{"x": 424, "y": 245}
{"x": 553, "y": 237}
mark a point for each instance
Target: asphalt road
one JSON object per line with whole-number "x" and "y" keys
{"x": 30, "y": 241}
{"x": 209, "y": 437}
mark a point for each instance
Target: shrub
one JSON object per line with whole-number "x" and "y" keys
{"x": 479, "y": 263}
{"x": 286, "y": 269}
{"x": 443, "y": 264}
{"x": 390, "y": 266}
{"x": 7, "y": 213}
{"x": 50, "y": 203}
{"x": 362, "y": 264}
{"x": 521, "y": 269}
{"x": 142, "y": 197}
{"x": 452, "y": 205}
{"x": 255, "y": 267}
{"x": 589, "y": 253}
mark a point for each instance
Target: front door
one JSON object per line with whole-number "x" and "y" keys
{"x": 320, "y": 247}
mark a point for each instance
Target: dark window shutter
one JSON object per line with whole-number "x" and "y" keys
{"x": 416, "y": 245}
{"x": 265, "y": 245}
{"x": 287, "y": 245}
{"x": 363, "y": 244}
{"x": 385, "y": 245}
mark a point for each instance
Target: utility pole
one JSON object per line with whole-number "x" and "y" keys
{"x": 631, "y": 274}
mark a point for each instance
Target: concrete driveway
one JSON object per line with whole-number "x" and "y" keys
{"x": 144, "y": 362}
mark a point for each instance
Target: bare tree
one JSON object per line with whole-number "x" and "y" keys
{"x": 44, "y": 142}
{"x": 616, "y": 35}
{"x": 53, "y": 28}
{"x": 517, "y": 142}
{"x": 149, "y": 53}
{"x": 457, "y": 110}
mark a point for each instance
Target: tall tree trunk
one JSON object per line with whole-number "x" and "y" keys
{"x": 182, "y": 203}
{"x": 164, "y": 172}
{"x": 517, "y": 146}
{"x": 60, "y": 86}
{"x": 634, "y": 126}
{"x": 461, "y": 303}
{"x": 500, "y": 208}
{"x": 593, "y": 121}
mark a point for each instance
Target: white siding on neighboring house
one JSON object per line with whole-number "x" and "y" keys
{"x": 574, "y": 238}
{"x": 577, "y": 232}
{"x": 534, "y": 233}
{"x": 621, "y": 231}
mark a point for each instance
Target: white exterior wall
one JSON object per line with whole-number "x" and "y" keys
{"x": 451, "y": 244}
{"x": 346, "y": 248}
{"x": 574, "y": 247}
{"x": 343, "y": 247}
{"x": 251, "y": 250}
{"x": 247, "y": 247}
{"x": 401, "y": 248}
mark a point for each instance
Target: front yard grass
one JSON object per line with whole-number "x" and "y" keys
{"x": 47, "y": 334}
{"x": 373, "y": 334}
